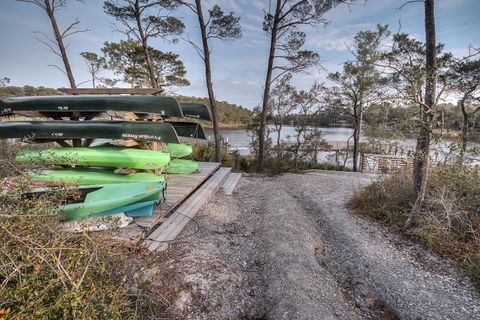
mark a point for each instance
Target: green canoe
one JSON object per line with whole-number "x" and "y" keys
{"x": 182, "y": 166}
{"x": 195, "y": 110}
{"x": 100, "y": 198}
{"x": 89, "y": 176}
{"x": 188, "y": 129}
{"x": 94, "y": 104}
{"x": 178, "y": 150}
{"x": 59, "y": 129}
{"x": 99, "y": 157}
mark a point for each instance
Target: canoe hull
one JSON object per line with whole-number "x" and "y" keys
{"x": 93, "y": 177}
{"x": 68, "y": 105}
{"x": 98, "y": 157}
{"x": 179, "y": 166}
{"x": 54, "y": 130}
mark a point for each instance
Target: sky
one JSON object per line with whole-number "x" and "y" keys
{"x": 238, "y": 67}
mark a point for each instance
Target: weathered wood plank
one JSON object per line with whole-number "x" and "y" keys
{"x": 230, "y": 183}
{"x": 168, "y": 231}
{"x": 179, "y": 188}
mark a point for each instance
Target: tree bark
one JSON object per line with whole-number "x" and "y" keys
{"x": 464, "y": 135}
{"x": 208, "y": 79}
{"x": 61, "y": 46}
{"x": 422, "y": 151}
{"x": 266, "y": 90}
{"x": 356, "y": 137}
{"x": 146, "y": 50}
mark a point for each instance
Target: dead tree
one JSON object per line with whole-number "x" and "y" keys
{"x": 57, "y": 45}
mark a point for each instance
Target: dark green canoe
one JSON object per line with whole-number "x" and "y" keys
{"x": 195, "y": 110}
{"x": 94, "y": 104}
{"x": 60, "y": 129}
{"x": 188, "y": 129}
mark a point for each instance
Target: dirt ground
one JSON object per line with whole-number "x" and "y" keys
{"x": 285, "y": 247}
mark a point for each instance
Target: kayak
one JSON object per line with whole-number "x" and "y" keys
{"x": 100, "y": 198}
{"x": 89, "y": 176}
{"x": 141, "y": 209}
{"x": 61, "y": 129}
{"x": 85, "y": 105}
{"x": 195, "y": 110}
{"x": 178, "y": 150}
{"x": 188, "y": 129}
{"x": 98, "y": 157}
{"x": 182, "y": 166}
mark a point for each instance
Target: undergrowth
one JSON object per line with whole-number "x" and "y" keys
{"x": 48, "y": 273}
{"x": 449, "y": 223}
{"x": 273, "y": 165}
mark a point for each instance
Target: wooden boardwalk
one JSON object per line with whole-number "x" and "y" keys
{"x": 230, "y": 183}
{"x": 179, "y": 188}
{"x": 159, "y": 239}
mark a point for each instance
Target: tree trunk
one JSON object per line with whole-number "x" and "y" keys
{"x": 266, "y": 90}
{"x": 422, "y": 152}
{"x": 464, "y": 135}
{"x": 146, "y": 50}
{"x": 61, "y": 46}
{"x": 208, "y": 78}
{"x": 356, "y": 137}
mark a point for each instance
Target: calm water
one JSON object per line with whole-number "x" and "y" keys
{"x": 240, "y": 139}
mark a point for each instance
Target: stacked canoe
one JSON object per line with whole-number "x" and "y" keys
{"x": 118, "y": 163}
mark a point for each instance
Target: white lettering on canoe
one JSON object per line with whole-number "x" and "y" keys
{"x": 6, "y": 110}
{"x": 192, "y": 115}
{"x": 141, "y": 136}
{"x": 57, "y": 134}
{"x": 62, "y": 108}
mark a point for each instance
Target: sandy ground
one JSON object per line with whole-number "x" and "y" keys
{"x": 286, "y": 248}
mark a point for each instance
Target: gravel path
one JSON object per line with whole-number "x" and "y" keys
{"x": 286, "y": 248}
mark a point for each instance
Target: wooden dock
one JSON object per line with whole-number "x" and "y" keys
{"x": 159, "y": 239}
{"x": 179, "y": 188}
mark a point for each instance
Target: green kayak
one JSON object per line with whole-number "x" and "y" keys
{"x": 100, "y": 198}
{"x": 99, "y": 157}
{"x": 188, "y": 129}
{"x": 178, "y": 150}
{"x": 182, "y": 166}
{"x": 195, "y": 110}
{"x": 94, "y": 104}
{"x": 89, "y": 176}
{"x": 60, "y": 129}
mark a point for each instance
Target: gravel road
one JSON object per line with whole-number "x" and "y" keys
{"x": 285, "y": 247}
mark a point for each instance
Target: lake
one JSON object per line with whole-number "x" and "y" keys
{"x": 239, "y": 139}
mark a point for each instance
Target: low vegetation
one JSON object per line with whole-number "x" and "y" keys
{"x": 273, "y": 165}
{"x": 449, "y": 221}
{"x": 48, "y": 273}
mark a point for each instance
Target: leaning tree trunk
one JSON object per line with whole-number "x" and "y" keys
{"x": 422, "y": 151}
{"x": 146, "y": 50}
{"x": 266, "y": 92}
{"x": 61, "y": 46}
{"x": 208, "y": 78}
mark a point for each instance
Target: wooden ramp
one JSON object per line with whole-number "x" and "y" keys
{"x": 167, "y": 232}
{"x": 179, "y": 188}
{"x": 230, "y": 183}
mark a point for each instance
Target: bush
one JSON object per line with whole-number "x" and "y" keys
{"x": 206, "y": 152}
{"x": 46, "y": 273}
{"x": 449, "y": 223}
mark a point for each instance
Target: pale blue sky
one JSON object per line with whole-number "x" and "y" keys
{"x": 238, "y": 67}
